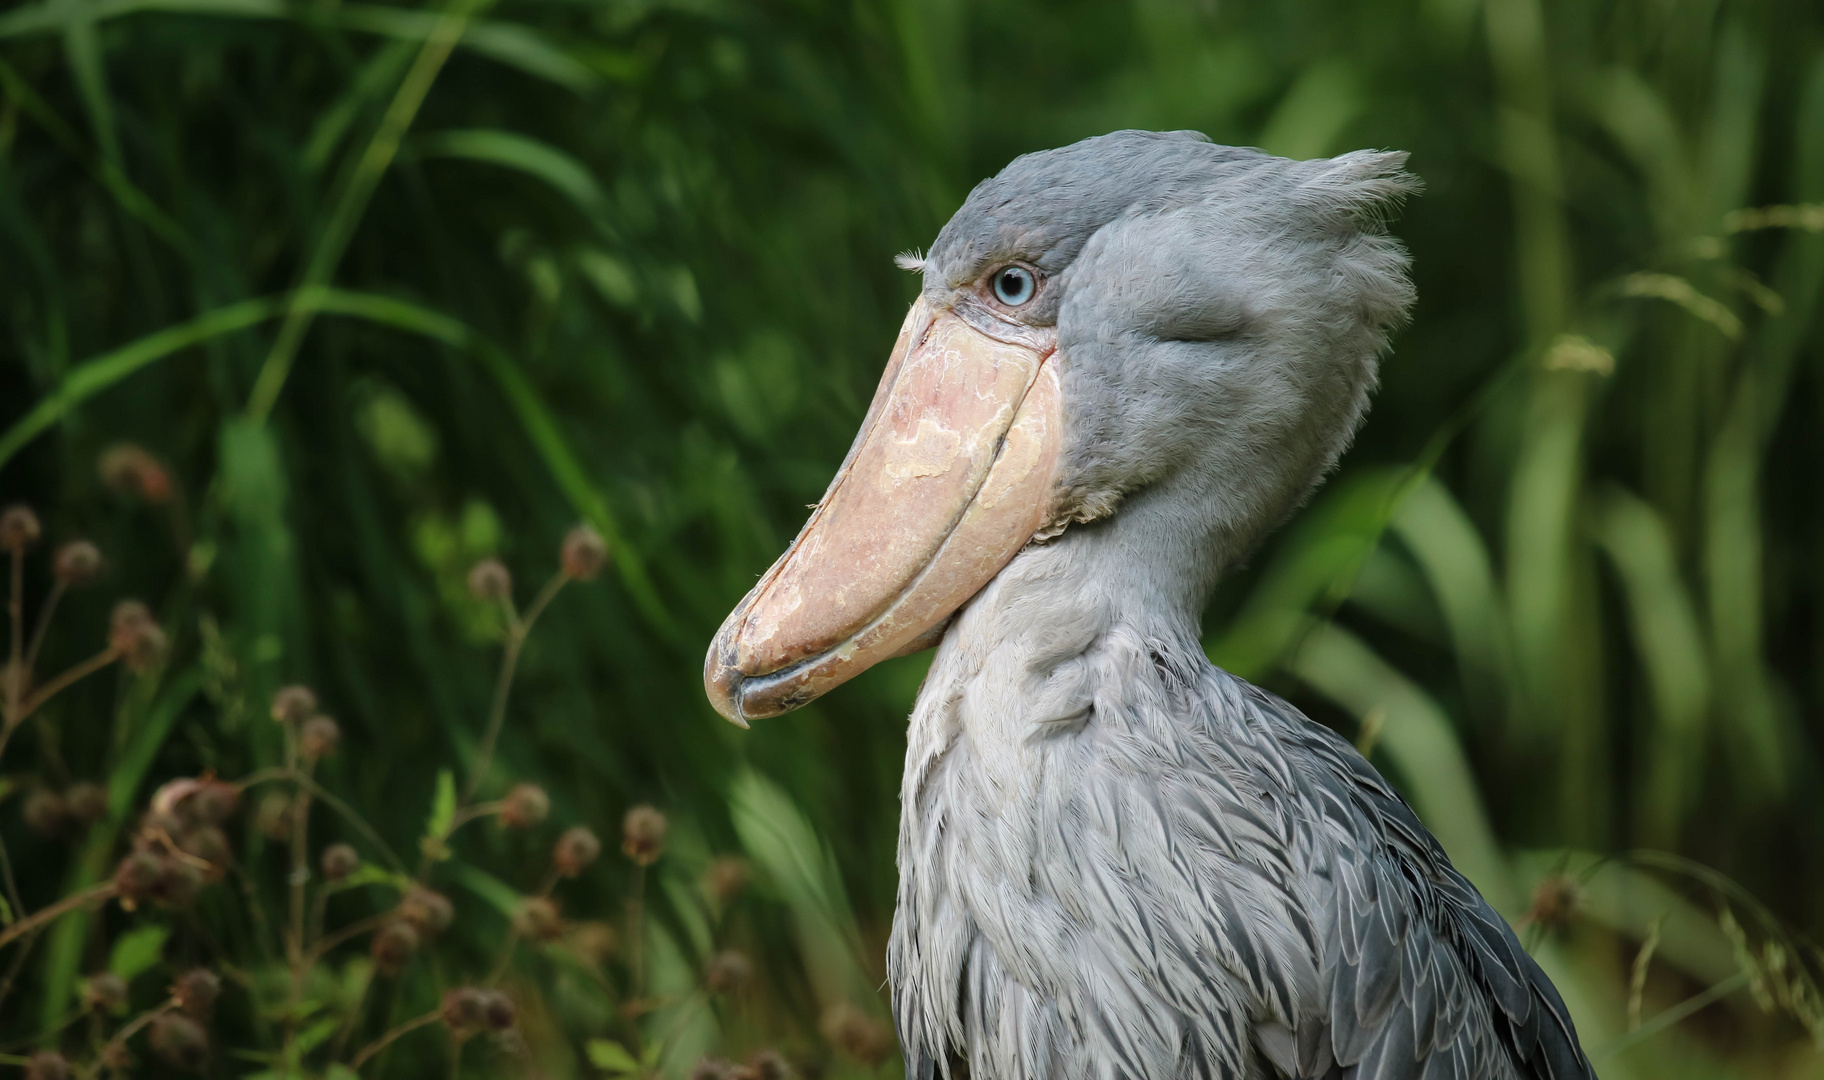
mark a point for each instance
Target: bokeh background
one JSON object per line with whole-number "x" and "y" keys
{"x": 386, "y": 289}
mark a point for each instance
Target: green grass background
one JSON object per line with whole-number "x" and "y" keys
{"x": 393, "y": 288}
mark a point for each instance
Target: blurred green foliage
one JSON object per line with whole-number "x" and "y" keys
{"x": 392, "y": 289}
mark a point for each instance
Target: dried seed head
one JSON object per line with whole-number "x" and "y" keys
{"x": 768, "y": 1065}
{"x": 643, "y": 835}
{"x": 272, "y": 817}
{"x": 45, "y": 812}
{"x": 131, "y": 470}
{"x": 525, "y": 806}
{"x": 116, "y": 1057}
{"x": 711, "y": 1068}
{"x": 88, "y": 801}
{"x": 196, "y": 991}
{"x": 393, "y": 945}
{"x": 134, "y": 634}
{"x": 339, "y": 861}
{"x": 1556, "y": 900}
{"x": 584, "y": 553}
{"x": 180, "y": 1041}
{"x": 489, "y": 579}
{"x": 465, "y": 1010}
{"x": 105, "y": 991}
{"x": 727, "y": 971}
{"x": 294, "y": 704}
{"x": 430, "y": 912}
{"x": 139, "y": 877}
{"x": 594, "y": 943}
{"x": 857, "y": 1035}
{"x": 209, "y": 844}
{"x": 537, "y": 919}
{"x": 318, "y": 738}
{"x": 19, "y": 528}
{"x": 211, "y": 802}
{"x": 47, "y": 1065}
{"x": 726, "y": 878}
{"x": 575, "y": 850}
{"x": 501, "y": 1012}
{"x": 78, "y": 563}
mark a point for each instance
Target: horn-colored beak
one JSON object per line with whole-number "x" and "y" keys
{"x": 952, "y": 473}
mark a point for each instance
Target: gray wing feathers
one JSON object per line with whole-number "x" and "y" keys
{"x": 1427, "y": 981}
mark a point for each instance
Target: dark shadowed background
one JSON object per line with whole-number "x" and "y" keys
{"x": 382, "y": 290}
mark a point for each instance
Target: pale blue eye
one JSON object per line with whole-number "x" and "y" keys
{"x": 1014, "y": 286}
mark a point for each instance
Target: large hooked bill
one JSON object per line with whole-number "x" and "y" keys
{"x": 952, "y": 473}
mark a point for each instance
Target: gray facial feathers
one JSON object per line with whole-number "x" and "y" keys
{"x": 1220, "y": 312}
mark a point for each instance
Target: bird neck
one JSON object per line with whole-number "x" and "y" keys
{"x": 1037, "y": 646}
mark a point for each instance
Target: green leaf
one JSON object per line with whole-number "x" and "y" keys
{"x": 613, "y": 1057}
{"x": 443, "y": 813}
{"x": 314, "y": 1035}
{"x": 528, "y": 155}
{"x": 138, "y": 951}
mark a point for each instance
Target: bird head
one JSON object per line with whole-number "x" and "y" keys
{"x": 1135, "y": 311}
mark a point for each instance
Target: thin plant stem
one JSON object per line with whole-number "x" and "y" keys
{"x": 636, "y": 932}
{"x": 62, "y": 682}
{"x": 300, "y": 877}
{"x": 517, "y": 630}
{"x": 1671, "y": 1016}
{"x": 43, "y": 625}
{"x": 352, "y": 930}
{"x": 15, "y": 614}
{"x": 327, "y": 798}
{"x": 131, "y": 1029}
{"x": 368, "y": 1051}
{"x": 12, "y": 971}
{"x": 362, "y": 182}
{"x": 103, "y": 891}
{"x": 11, "y": 884}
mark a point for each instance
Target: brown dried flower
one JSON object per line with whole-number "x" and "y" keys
{"x": 151, "y": 873}
{"x": 425, "y": 910}
{"x": 196, "y": 991}
{"x": 768, "y": 1065}
{"x": 393, "y": 945}
{"x": 45, "y": 812}
{"x": 465, "y": 1010}
{"x": 490, "y": 579}
{"x": 501, "y": 1012}
{"x": 726, "y": 878}
{"x": 47, "y": 1065}
{"x": 180, "y": 1041}
{"x": 272, "y": 817}
{"x": 857, "y": 1035}
{"x": 212, "y": 802}
{"x": 318, "y": 738}
{"x": 88, "y": 801}
{"x": 575, "y": 850}
{"x": 131, "y": 470}
{"x": 339, "y": 861}
{"x": 1556, "y": 900}
{"x": 104, "y": 991}
{"x": 136, "y": 636}
{"x": 525, "y": 806}
{"x": 294, "y": 704}
{"x": 584, "y": 553}
{"x": 537, "y": 919}
{"x": 643, "y": 834}
{"x": 19, "y": 528}
{"x": 78, "y": 563}
{"x": 727, "y": 971}
{"x": 209, "y": 844}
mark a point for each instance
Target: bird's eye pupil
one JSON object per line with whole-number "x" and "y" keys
{"x": 1013, "y": 286}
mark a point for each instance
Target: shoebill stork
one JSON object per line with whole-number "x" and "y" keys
{"x": 1131, "y": 358}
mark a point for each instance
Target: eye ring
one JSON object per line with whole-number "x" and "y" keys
{"x": 1014, "y": 286}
